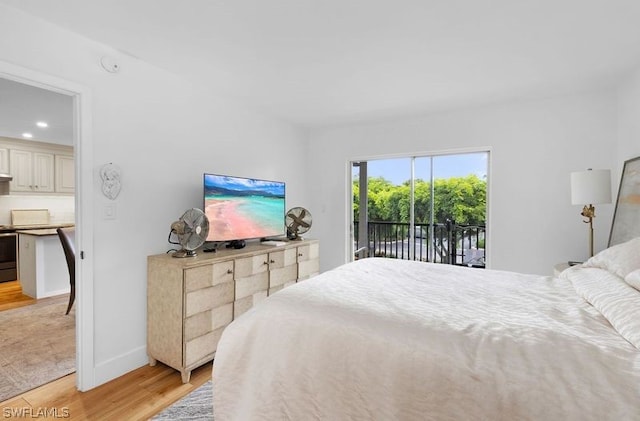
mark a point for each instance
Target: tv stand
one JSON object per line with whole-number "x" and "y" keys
{"x": 236, "y": 244}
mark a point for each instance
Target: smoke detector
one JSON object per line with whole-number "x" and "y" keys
{"x": 109, "y": 64}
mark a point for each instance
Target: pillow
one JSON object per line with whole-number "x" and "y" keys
{"x": 620, "y": 259}
{"x": 633, "y": 279}
{"x": 611, "y": 296}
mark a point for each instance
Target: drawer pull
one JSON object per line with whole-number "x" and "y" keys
{"x": 229, "y": 271}
{"x": 265, "y": 263}
{"x": 272, "y": 261}
{"x": 300, "y": 254}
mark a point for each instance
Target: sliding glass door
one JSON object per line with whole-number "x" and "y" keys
{"x": 426, "y": 208}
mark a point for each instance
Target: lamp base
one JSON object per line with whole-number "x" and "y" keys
{"x": 589, "y": 212}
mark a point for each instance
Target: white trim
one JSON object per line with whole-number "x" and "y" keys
{"x": 412, "y": 208}
{"x": 85, "y": 367}
{"x": 457, "y": 151}
{"x": 487, "y": 233}
{"x": 348, "y": 228}
{"x": 55, "y": 293}
{"x": 122, "y": 363}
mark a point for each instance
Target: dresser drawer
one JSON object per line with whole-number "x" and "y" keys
{"x": 277, "y": 288}
{"x": 281, "y": 258}
{"x": 308, "y": 268}
{"x": 202, "y": 323}
{"x": 308, "y": 252}
{"x": 251, "y": 284}
{"x": 248, "y": 266}
{"x": 282, "y": 275}
{"x": 202, "y": 347}
{"x": 208, "y": 298}
{"x": 242, "y": 305}
{"x": 206, "y": 276}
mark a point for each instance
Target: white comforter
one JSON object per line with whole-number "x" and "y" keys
{"x": 383, "y": 339}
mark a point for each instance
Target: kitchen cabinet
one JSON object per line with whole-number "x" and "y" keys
{"x": 4, "y": 161}
{"x": 32, "y": 171}
{"x": 65, "y": 174}
{"x": 38, "y": 167}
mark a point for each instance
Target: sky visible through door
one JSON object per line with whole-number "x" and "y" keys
{"x": 397, "y": 170}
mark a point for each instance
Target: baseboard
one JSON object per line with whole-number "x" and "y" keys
{"x": 122, "y": 364}
{"x": 55, "y": 293}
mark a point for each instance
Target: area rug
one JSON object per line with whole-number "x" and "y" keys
{"x": 196, "y": 406}
{"x": 37, "y": 345}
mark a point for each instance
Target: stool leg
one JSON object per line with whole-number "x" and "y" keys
{"x": 72, "y": 298}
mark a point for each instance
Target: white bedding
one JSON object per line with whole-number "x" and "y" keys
{"x": 420, "y": 341}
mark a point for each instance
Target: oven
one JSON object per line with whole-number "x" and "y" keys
{"x": 8, "y": 254}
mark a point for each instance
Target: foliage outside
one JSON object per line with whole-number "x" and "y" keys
{"x": 462, "y": 199}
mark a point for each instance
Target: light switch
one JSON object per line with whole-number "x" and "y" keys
{"x": 109, "y": 211}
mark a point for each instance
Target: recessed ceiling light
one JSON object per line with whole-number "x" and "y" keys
{"x": 27, "y": 135}
{"x": 42, "y": 124}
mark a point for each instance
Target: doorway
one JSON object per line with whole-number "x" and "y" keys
{"x": 81, "y": 97}
{"x": 36, "y": 143}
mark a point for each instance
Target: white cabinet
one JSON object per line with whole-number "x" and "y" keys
{"x": 43, "y": 174}
{"x": 65, "y": 174}
{"x": 21, "y": 169}
{"x": 4, "y": 161}
{"x": 37, "y": 167}
{"x": 32, "y": 171}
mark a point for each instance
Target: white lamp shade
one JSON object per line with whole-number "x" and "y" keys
{"x": 591, "y": 187}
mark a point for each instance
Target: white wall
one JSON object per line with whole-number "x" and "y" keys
{"x": 61, "y": 208}
{"x": 628, "y": 121}
{"x": 534, "y": 147}
{"x": 163, "y": 133}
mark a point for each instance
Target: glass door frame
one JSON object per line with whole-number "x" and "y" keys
{"x": 351, "y": 248}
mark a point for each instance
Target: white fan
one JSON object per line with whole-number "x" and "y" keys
{"x": 191, "y": 229}
{"x": 298, "y": 221}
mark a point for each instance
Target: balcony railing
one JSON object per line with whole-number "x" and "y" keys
{"x": 448, "y": 242}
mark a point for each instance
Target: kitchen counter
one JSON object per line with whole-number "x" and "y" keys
{"x": 15, "y": 228}
{"x": 42, "y": 266}
{"x": 38, "y": 232}
{"x": 36, "y": 226}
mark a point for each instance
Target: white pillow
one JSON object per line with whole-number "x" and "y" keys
{"x": 620, "y": 259}
{"x": 611, "y": 296}
{"x": 633, "y": 279}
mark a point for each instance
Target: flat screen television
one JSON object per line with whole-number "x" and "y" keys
{"x": 243, "y": 208}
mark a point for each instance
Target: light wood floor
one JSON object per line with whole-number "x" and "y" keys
{"x": 11, "y": 296}
{"x": 137, "y": 395}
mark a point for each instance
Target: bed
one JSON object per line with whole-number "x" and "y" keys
{"x": 386, "y": 339}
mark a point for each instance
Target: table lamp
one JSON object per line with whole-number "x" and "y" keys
{"x": 588, "y": 188}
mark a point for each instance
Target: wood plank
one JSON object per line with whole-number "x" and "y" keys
{"x": 11, "y": 296}
{"x": 138, "y": 395}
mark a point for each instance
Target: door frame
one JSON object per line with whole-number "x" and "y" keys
{"x": 83, "y": 153}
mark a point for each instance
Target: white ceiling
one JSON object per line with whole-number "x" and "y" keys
{"x": 317, "y": 62}
{"x": 22, "y": 106}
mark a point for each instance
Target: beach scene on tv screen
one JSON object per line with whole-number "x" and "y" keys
{"x": 243, "y": 208}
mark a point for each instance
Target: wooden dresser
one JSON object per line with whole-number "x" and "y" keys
{"x": 191, "y": 300}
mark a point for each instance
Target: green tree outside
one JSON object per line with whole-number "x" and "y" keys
{"x": 462, "y": 199}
